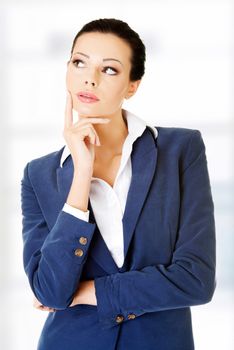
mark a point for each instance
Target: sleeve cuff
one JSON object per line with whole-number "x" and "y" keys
{"x": 111, "y": 310}
{"x": 104, "y": 307}
{"x": 80, "y": 214}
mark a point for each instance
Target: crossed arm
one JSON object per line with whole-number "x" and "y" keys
{"x": 85, "y": 294}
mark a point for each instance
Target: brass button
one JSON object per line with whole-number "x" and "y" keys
{"x": 79, "y": 252}
{"x": 83, "y": 240}
{"x": 119, "y": 318}
{"x": 131, "y": 316}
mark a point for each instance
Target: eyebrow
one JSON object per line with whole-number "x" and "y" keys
{"x": 104, "y": 59}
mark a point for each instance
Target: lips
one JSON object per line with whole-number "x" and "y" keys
{"x": 87, "y": 97}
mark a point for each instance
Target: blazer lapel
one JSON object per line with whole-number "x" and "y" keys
{"x": 64, "y": 178}
{"x": 143, "y": 160}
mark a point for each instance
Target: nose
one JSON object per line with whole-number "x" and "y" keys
{"x": 90, "y": 82}
{"x": 92, "y": 77}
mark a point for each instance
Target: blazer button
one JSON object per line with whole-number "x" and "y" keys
{"x": 79, "y": 252}
{"x": 83, "y": 240}
{"x": 131, "y": 316}
{"x": 119, "y": 318}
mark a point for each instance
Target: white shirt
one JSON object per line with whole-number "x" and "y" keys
{"x": 108, "y": 203}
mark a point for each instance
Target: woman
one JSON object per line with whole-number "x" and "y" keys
{"x": 118, "y": 225}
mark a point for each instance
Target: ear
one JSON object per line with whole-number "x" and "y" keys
{"x": 132, "y": 88}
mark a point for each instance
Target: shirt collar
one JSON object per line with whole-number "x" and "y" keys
{"x": 136, "y": 127}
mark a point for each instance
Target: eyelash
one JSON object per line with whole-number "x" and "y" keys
{"x": 113, "y": 69}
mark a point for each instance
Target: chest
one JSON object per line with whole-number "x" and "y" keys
{"x": 107, "y": 171}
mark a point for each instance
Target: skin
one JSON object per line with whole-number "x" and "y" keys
{"x": 98, "y": 136}
{"x": 110, "y": 87}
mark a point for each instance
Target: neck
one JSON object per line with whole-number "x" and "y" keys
{"x": 111, "y": 136}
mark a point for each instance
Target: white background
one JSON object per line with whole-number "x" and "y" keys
{"x": 188, "y": 83}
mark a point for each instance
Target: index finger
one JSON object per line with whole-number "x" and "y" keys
{"x": 68, "y": 120}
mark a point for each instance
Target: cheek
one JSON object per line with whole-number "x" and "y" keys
{"x": 119, "y": 90}
{"x": 71, "y": 80}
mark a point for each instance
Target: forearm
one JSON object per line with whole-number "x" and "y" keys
{"x": 54, "y": 273}
{"x": 85, "y": 294}
{"x": 153, "y": 289}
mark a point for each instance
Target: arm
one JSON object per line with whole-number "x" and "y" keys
{"x": 51, "y": 260}
{"x": 190, "y": 277}
{"x": 84, "y": 295}
{"x": 86, "y": 291}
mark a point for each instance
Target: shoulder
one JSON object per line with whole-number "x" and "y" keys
{"x": 44, "y": 164}
{"x": 183, "y": 143}
{"x": 179, "y": 135}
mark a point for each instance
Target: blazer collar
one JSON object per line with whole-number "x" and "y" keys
{"x": 144, "y": 160}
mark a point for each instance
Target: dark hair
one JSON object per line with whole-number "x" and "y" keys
{"x": 123, "y": 31}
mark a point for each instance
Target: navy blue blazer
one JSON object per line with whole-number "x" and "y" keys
{"x": 169, "y": 249}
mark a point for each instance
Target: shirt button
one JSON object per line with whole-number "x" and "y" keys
{"x": 83, "y": 240}
{"x": 131, "y": 316}
{"x": 119, "y": 318}
{"x": 79, "y": 252}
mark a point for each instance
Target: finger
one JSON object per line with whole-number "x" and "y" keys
{"x": 92, "y": 120}
{"x": 88, "y": 132}
{"x": 46, "y": 308}
{"x": 43, "y": 308}
{"x": 38, "y": 305}
{"x": 68, "y": 120}
{"x": 96, "y": 138}
{"x": 78, "y": 125}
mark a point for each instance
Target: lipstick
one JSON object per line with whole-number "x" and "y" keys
{"x": 87, "y": 97}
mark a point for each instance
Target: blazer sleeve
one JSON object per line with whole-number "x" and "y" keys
{"x": 190, "y": 277}
{"x": 53, "y": 259}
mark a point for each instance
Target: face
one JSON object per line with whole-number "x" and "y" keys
{"x": 100, "y": 64}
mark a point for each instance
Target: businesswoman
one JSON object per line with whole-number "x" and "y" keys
{"x": 118, "y": 225}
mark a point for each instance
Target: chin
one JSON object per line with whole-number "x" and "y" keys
{"x": 89, "y": 111}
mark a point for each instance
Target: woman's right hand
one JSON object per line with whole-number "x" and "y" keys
{"x": 81, "y": 137}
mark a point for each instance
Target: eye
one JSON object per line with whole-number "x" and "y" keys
{"x": 110, "y": 70}
{"x": 78, "y": 63}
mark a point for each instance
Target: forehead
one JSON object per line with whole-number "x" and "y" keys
{"x": 103, "y": 45}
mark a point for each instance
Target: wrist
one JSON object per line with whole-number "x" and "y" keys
{"x": 81, "y": 173}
